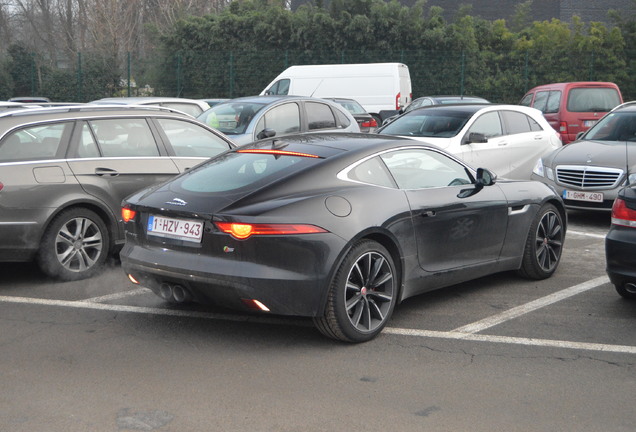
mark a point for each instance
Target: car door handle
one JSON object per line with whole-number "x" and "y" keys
{"x": 428, "y": 213}
{"x": 502, "y": 143}
{"x": 106, "y": 172}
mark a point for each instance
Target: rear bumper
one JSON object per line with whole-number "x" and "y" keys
{"x": 620, "y": 255}
{"x": 284, "y": 288}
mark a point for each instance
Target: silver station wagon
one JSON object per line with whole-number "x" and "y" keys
{"x": 64, "y": 172}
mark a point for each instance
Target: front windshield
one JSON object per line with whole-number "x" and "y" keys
{"x": 231, "y": 118}
{"x": 618, "y": 126}
{"x": 428, "y": 123}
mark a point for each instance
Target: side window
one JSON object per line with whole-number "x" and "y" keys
{"x": 319, "y": 116}
{"x": 342, "y": 119}
{"x": 540, "y": 100}
{"x": 35, "y": 142}
{"x": 280, "y": 87}
{"x": 87, "y": 145}
{"x": 188, "y": 139}
{"x": 124, "y": 137}
{"x": 516, "y": 122}
{"x": 421, "y": 169}
{"x": 284, "y": 119}
{"x": 527, "y": 100}
{"x": 554, "y": 101}
{"x": 372, "y": 171}
{"x": 487, "y": 124}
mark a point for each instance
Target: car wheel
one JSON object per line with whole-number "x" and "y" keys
{"x": 627, "y": 290}
{"x": 544, "y": 244}
{"x": 74, "y": 246}
{"x": 362, "y": 294}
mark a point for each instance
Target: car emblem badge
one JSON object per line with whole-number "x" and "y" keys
{"x": 589, "y": 158}
{"x": 176, "y": 201}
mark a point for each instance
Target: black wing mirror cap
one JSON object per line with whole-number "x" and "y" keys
{"x": 486, "y": 177}
{"x": 266, "y": 133}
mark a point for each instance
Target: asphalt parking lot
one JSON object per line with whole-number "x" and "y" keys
{"x": 498, "y": 353}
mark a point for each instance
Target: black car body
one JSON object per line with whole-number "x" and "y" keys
{"x": 338, "y": 227}
{"x": 620, "y": 244}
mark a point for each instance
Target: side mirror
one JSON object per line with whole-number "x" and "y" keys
{"x": 476, "y": 137}
{"x": 485, "y": 177}
{"x": 266, "y": 133}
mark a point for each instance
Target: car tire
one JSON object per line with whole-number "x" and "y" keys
{"x": 627, "y": 291}
{"x": 544, "y": 244}
{"x": 74, "y": 246}
{"x": 362, "y": 294}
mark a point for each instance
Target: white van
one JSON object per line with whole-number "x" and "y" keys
{"x": 381, "y": 88}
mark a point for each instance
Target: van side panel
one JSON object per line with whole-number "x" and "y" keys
{"x": 375, "y": 86}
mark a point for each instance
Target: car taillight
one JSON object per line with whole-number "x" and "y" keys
{"x": 623, "y": 215}
{"x": 370, "y": 123}
{"x": 127, "y": 214}
{"x": 563, "y": 127}
{"x": 397, "y": 102}
{"x": 1, "y": 186}
{"x": 242, "y": 231}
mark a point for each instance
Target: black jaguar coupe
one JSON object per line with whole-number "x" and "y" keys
{"x": 337, "y": 227}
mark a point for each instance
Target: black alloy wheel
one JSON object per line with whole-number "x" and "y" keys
{"x": 544, "y": 244}
{"x": 362, "y": 295}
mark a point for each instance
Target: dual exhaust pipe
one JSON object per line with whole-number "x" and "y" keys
{"x": 174, "y": 293}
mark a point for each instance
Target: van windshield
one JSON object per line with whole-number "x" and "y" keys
{"x": 592, "y": 99}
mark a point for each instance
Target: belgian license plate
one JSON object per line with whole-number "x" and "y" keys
{"x": 583, "y": 196}
{"x": 589, "y": 123}
{"x": 182, "y": 229}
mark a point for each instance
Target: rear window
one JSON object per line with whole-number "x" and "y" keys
{"x": 234, "y": 171}
{"x": 592, "y": 99}
{"x": 428, "y": 123}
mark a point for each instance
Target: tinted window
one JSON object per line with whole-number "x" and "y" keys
{"x": 419, "y": 169}
{"x": 372, "y": 171}
{"x": 234, "y": 171}
{"x": 428, "y": 123}
{"x": 592, "y": 99}
{"x": 343, "y": 119}
{"x": 284, "y": 119}
{"x": 35, "y": 142}
{"x": 124, "y": 137}
{"x": 188, "y": 139}
{"x": 617, "y": 126}
{"x": 319, "y": 116}
{"x": 487, "y": 124}
{"x": 517, "y": 122}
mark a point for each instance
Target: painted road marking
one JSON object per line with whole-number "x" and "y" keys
{"x": 599, "y": 236}
{"x": 117, "y": 296}
{"x": 466, "y": 333}
{"x": 532, "y": 306}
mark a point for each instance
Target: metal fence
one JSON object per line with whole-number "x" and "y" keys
{"x": 497, "y": 76}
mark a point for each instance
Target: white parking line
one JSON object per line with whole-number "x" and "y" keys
{"x": 586, "y": 234}
{"x": 117, "y": 296}
{"x": 532, "y": 306}
{"x": 466, "y": 333}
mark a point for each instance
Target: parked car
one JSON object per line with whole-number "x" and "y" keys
{"x": 366, "y": 121}
{"x": 252, "y": 118}
{"x": 506, "y": 139}
{"x": 214, "y": 101}
{"x": 64, "y": 172}
{"x": 31, "y": 99}
{"x": 435, "y": 100}
{"x": 193, "y": 107}
{"x": 620, "y": 243}
{"x": 573, "y": 107}
{"x": 337, "y": 227}
{"x": 588, "y": 173}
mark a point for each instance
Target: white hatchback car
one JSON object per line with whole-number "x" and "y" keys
{"x": 506, "y": 139}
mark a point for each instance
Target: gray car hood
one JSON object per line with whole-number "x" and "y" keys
{"x": 612, "y": 154}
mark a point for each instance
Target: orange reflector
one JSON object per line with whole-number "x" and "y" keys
{"x": 127, "y": 214}
{"x": 132, "y": 279}
{"x": 242, "y": 231}
{"x": 277, "y": 152}
{"x": 255, "y": 304}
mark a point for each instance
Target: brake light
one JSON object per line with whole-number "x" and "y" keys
{"x": 563, "y": 127}
{"x": 623, "y": 215}
{"x": 127, "y": 214}
{"x": 277, "y": 152}
{"x": 1, "y": 186}
{"x": 397, "y": 102}
{"x": 242, "y": 231}
{"x": 370, "y": 123}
